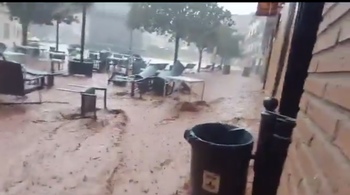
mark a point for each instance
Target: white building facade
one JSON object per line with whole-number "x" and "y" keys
{"x": 10, "y": 30}
{"x": 252, "y": 50}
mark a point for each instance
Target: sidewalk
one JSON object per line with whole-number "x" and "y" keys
{"x": 139, "y": 151}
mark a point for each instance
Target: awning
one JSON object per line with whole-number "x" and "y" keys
{"x": 268, "y": 8}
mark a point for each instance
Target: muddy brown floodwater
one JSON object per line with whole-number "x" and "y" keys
{"x": 139, "y": 150}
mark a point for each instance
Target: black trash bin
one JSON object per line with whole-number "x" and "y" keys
{"x": 226, "y": 69}
{"x": 220, "y": 159}
{"x": 246, "y": 71}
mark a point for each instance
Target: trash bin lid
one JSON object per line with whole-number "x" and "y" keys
{"x": 218, "y": 134}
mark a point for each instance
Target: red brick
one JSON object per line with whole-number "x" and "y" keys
{"x": 333, "y": 14}
{"x": 326, "y": 39}
{"x": 298, "y": 183}
{"x": 331, "y": 161}
{"x": 302, "y": 128}
{"x": 313, "y": 64}
{"x": 283, "y": 188}
{"x": 293, "y": 176}
{"x": 343, "y": 138}
{"x": 334, "y": 59}
{"x": 316, "y": 182}
{"x": 325, "y": 116}
{"x": 315, "y": 85}
{"x": 304, "y": 100}
{"x": 326, "y": 7}
{"x": 345, "y": 27}
{"x": 338, "y": 92}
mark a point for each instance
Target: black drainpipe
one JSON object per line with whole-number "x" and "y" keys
{"x": 302, "y": 44}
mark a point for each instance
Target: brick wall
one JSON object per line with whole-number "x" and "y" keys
{"x": 319, "y": 157}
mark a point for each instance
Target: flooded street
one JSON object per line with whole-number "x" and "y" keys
{"x": 137, "y": 147}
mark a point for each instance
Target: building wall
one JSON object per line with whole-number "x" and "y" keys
{"x": 319, "y": 156}
{"x": 252, "y": 49}
{"x": 278, "y": 41}
{"x": 10, "y": 31}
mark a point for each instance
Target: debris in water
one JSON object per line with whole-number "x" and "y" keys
{"x": 191, "y": 106}
{"x": 122, "y": 93}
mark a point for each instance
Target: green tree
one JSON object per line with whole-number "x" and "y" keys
{"x": 202, "y": 29}
{"x": 42, "y": 13}
{"x": 164, "y": 19}
{"x": 31, "y": 12}
{"x": 228, "y": 44}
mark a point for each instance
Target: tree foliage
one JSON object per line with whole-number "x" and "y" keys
{"x": 41, "y": 13}
{"x": 163, "y": 19}
{"x": 179, "y": 20}
{"x": 203, "y": 28}
{"x": 228, "y": 43}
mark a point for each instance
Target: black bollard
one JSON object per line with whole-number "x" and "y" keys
{"x": 274, "y": 138}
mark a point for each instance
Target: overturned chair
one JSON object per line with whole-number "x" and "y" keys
{"x": 144, "y": 81}
{"x": 161, "y": 85}
{"x": 15, "y": 81}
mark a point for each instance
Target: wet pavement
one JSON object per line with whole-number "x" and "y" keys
{"x": 140, "y": 150}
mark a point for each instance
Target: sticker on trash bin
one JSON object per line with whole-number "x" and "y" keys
{"x": 211, "y": 182}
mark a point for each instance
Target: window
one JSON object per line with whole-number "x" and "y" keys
{"x": 6, "y": 30}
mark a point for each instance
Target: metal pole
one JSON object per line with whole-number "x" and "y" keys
{"x": 82, "y": 41}
{"x": 57, "y": 34}
{"x": 130, "y": 52}
{"x": 213, "y": 57}
{"x": 131, "y": 41}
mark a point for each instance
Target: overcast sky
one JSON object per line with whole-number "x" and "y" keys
{"x": 240, "y": 8}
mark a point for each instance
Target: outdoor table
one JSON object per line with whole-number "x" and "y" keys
{"x": 113, "y": 58}
{"x": 50, "y": 77}
{"x": 188, "y": 80}
{"x": 56, "y": 61}
{"x": 27, "y": 47}
{"x": 57, "y": 53}
{"x": 15, "y": 56}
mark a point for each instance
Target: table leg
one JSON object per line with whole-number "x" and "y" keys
{"x": 50, "y": 80}
{"x": 52, "y": 67}
{"x": 105, "y": 98}
{"x": 132, "y": 93}
{"x": 203, "y": 88}
{"x": 82, "y": 108}
{"x": 164, "y": 89}
{"x": 190, "y": 85}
